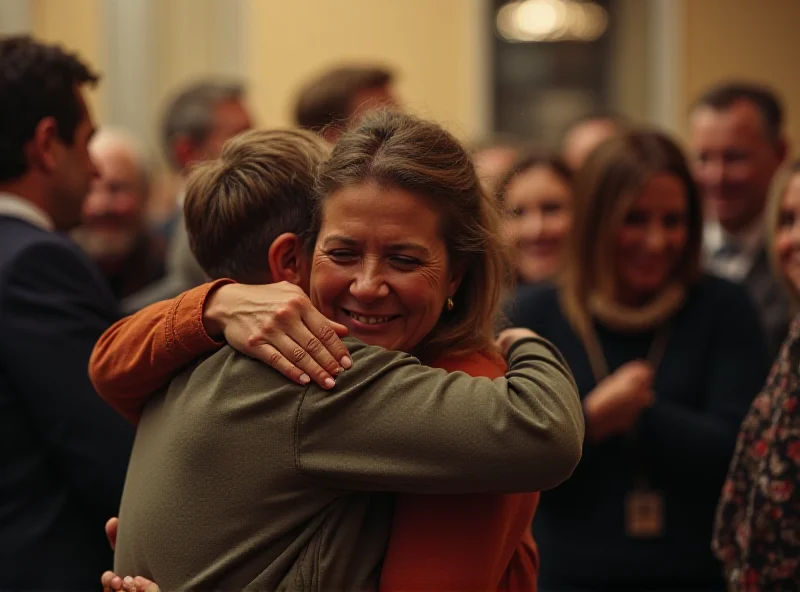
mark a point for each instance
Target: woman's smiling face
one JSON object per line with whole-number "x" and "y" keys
{"x": 380, "y": 265}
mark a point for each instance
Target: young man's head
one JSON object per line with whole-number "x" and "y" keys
{"x": 45, "y": 127}
{"x": 246, "y": 210}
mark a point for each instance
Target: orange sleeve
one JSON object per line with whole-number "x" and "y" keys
{"x": 462, "y": 542}
{"x": 139, "y": 354}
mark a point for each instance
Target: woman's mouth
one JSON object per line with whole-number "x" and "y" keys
{"x": 371, "y": 320}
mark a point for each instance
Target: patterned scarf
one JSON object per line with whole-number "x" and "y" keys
{"x": 757, "y": 530}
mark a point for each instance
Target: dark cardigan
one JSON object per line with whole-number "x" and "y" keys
{"x": 714, "y": 364}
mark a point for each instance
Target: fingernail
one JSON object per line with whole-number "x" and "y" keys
{"x": 346, "y": 363}
{"x": 128, "y": 580}
{"x": 305, "y": 378}
{"x": 329, "y": 383}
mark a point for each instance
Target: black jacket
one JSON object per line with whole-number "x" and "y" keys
{"x": 63, "y": 450}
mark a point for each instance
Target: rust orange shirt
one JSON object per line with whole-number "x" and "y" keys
{"x": 464, "y": 542}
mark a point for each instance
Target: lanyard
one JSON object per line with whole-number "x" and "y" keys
{"x": 597, "y": 358}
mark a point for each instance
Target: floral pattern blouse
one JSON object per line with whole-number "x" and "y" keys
{"x": 757, "y": 530}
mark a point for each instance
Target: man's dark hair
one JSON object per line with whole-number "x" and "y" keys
{"x": 723, "y": 97}
{"x": 36, "y": 81}
{"x": 327, "y": 99}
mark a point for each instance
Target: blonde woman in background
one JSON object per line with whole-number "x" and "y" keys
{"x": 757, "y": 532}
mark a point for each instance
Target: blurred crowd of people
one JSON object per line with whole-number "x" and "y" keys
{"x": 302, "y": 299}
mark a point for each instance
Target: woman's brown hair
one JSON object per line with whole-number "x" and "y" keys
{"x": 780, "y": 184}
{"x": 399, "y": 150}
{"x": 605, "y": 188}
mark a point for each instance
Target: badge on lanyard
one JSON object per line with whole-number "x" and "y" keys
{"x": 644, "y": 513}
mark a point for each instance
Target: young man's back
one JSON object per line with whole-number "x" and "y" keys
{"x": 240, "y": 478}
{"x": 216, "y": 495}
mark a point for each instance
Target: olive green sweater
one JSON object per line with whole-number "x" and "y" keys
{"x": 241, "y": 479}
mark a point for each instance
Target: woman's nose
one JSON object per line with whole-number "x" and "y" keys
{"x": 369, "y": 285}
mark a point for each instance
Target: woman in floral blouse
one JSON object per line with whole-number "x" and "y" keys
{"x": 757, "y": 532}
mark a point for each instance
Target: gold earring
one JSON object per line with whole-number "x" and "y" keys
{"x": 450, "y": 303}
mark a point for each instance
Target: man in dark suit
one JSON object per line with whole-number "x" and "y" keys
{"x": 737, "y": 145}
{"x": 63, "y": 451}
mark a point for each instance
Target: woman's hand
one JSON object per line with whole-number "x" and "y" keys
{"x": 111, "y": 531}
{"x": 509, "y": 337}
{"x": 112, "y": 582}
{"x": 614, "y": 406}
{"x": 277, "y": 324}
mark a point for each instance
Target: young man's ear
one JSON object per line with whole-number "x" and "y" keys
{"x": 287, "y": 261}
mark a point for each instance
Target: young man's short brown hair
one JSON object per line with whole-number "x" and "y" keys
{"x": 328, "y": 98}
{"x": 259, "y": 188}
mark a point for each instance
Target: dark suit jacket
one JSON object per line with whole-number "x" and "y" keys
{"x": 63, "y": 450}
{"x": 769, "y": 296}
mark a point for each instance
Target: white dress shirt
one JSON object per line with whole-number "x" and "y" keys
{"x": 732, "y": 256}
{"x": 14, "y": 206}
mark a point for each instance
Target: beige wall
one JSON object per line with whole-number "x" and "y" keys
{"x": 76, "y": 24}
{"x": 195, "y": 39}
{"x": 432, "y": 44}
{"x": 436, "y": 46}
{"x": 749, "y": 39}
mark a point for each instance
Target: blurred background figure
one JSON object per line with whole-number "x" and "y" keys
{"x": 738, "y": 142}
{"x": 536, "y": 195}
{"x": 63, "y": 451}
{"x": 587, "y": 133}
{"x": 197, "y": 122}
{"x": 758, "y": 518}
{"x": 667, "y": 361}
{"x": 338, "y": 97}
{"x": 493, "y": 160}
{"x": 113, "y": 229}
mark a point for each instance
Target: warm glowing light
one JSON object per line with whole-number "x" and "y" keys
{"x": 596, "y": 19}
{"x": 538, "y": 20}
{"x": 551, "y": 20}
{"x": 506, "y": 25}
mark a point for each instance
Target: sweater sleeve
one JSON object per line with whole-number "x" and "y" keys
{"x": 402, "y": 427}
{"x": 139, "y": 354}
{"x": 700, "y": 440}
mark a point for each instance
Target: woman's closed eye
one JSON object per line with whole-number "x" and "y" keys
{"x": 342, "y": 255}
{"x": 404, "y": 262}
